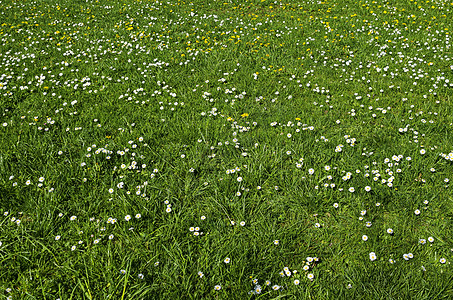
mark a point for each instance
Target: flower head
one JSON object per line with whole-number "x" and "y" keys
{"x": 258, "y": 289}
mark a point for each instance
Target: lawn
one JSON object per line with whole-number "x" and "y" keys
{"x": 226, "y": 149}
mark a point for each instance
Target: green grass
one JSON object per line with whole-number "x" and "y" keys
{"x": 142, "y": 143}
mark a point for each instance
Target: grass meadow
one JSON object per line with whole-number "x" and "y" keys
{"x": 256, "y": 149}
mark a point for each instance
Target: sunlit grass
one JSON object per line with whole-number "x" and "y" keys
{"x": 226, "y": 150}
